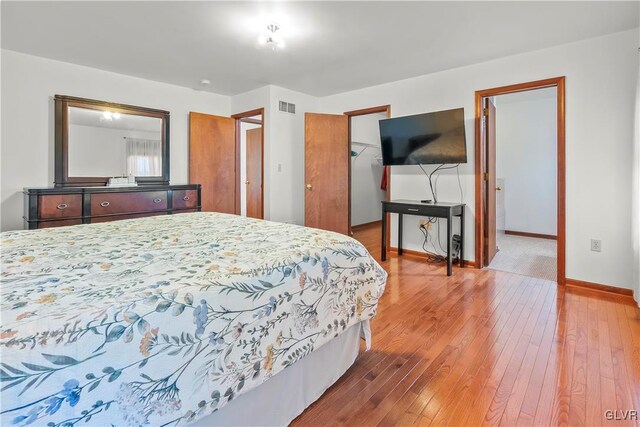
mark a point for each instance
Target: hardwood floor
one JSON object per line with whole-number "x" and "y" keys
{"x": 487, "y": 347}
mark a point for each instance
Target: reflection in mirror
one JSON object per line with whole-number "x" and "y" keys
{"x": 106, "y": 143}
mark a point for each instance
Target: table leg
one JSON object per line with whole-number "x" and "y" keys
{"x": 399, "y": 234}
{"x": 449, "y": 245}
{"x": 384, "y": 236}
{"x": 462, "y": 238}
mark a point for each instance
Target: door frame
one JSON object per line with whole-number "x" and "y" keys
{"x": 363, "y": 112}
{"x": 480, "y": 163}
{"x": 240, "y": 118}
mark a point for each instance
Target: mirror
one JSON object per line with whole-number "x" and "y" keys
{"x": 97, "y": 140}
{"x": 102, "y": 143}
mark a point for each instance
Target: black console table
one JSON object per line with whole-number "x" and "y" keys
{"x": 436, "y": 210}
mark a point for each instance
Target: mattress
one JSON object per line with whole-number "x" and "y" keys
{"x": 303, "y": 383}
{"x": 164, "y": 320}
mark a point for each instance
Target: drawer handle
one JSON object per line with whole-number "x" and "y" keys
{"x": 104, "y": 204}
{"x": 157, "y": 200}
{"x": 62, "y": 206}
{"x": 413, "y": 210}
{"x": 185, "y": 198}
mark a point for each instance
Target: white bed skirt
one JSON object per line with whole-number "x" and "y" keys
{"x": 283, "y": 397}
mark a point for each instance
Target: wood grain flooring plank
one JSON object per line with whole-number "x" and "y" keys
{"x": 487, "y": 347}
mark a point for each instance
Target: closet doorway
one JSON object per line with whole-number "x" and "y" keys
{"x": 328, "y": 168}
{"x": 250, "y": 163}
{"x": 369, "y": 180}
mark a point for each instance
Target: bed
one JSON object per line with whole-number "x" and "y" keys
{"x": 182, "y": 319}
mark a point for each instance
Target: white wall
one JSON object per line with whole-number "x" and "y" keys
{"x": 526, "y": 153}
{"x": 366, "y": 170}
{"x": 600, "y": 83}
{"x": 28, "y": 85}
{"x": 287, "y": 154}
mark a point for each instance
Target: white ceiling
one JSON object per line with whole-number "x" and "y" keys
{"x": 331, "y": 47}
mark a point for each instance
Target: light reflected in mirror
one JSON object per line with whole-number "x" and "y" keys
{"x": 107, "y": 143}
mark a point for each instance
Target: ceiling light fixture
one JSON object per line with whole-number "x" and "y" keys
{"x": 272, "y": 39}
{"x": 108, "y": 115}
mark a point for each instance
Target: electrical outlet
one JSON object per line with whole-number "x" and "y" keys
{"x": 596, "y": 245}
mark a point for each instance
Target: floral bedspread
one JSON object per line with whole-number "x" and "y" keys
{"x": 162, "y": 320}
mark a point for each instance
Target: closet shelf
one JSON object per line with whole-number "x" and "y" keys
{"x": 365, "y": 144}
{"x": 356, "y": 154}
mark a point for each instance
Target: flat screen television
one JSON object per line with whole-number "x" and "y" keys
{"x": 430, "y": 138}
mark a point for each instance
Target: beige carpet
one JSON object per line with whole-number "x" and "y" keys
{"x": 526, "y": 255}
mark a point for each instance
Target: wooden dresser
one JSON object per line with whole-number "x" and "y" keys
{"x": 56, "y": 207}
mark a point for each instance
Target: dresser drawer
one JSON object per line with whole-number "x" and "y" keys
{"x": 129, "y": 202}
{"x": 55, "y": 206}
{"x": 426, "y": 209}
{"x": 185, "y": 199}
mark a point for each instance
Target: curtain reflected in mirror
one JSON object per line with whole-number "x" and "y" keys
{"x": 108, "y": 143}
{"x": 144, "y": 157}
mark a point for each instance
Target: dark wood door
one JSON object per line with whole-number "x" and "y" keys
{"x": 253, "y": 182}
{"x": 491, "y": 247}
{"x": 327, "y": 172}
{"x": 212, "y": 161}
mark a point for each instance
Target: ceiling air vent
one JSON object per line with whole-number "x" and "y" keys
{"x": 287, "y": 107}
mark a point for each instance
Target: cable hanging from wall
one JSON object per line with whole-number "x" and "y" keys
{"x": 424, "y": 228}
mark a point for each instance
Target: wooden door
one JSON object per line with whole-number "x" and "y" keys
{"x": 212, "y": 161}
{"x": 327, "y": 172}
{"x": 253, "y": 165}
{"x": 491, "y": 247}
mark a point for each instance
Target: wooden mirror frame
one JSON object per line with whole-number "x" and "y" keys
{"x": 62, "y": 104}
